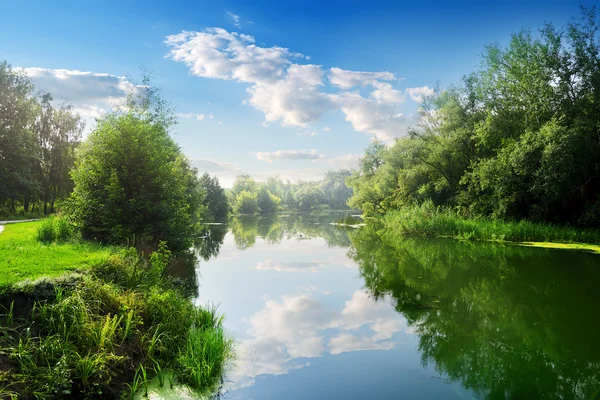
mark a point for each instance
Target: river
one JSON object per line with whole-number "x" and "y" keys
{"x": 320, "y": 311}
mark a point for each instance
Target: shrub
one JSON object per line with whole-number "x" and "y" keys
{"x": 55, "y": 229}
{"x": 63, "y": 230}
{"x": 46, "y": 233}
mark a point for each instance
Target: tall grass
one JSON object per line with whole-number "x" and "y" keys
{"x": 206, "y": 350}
{"x": 106, "y": 334}
{"x": 427, "y": 220}
{"x": 56, "y": 229}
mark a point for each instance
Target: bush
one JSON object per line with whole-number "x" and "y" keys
{"x": 45, "y": 232}
{"x": 55, "y": 229}
{"x": 63, "y": 230}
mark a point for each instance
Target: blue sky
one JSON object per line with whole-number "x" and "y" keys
{"x": 265, "y": 87}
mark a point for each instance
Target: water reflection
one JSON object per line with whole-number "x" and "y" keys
{"x": 380, "y": 315}
{"x": 504, "y": 321}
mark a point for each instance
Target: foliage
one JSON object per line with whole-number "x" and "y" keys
{"x": 267, "y": 202}
{"x": 37, "y": 146}
{"x": 517, "y": 139}
{"x": 246, "y": 203}
{"x": 132, "y": 181}
{"x": 108, "y": 333}
{"x": 274, "y": 194}
{"x": 55, "y": 228}
{"x": 215, "y": 199}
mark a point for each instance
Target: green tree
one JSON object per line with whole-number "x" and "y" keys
{"x": 335, "y": 188}
{"x": 215, "y": 199}
{"x": 267, "y": 202}
{"x": 246, "y": 203}
{"x": 59, "y": 133}
{"x": 19, "y": 148}
{"x": 131, "y": 180}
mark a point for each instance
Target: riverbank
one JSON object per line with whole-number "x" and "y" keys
{"x": 80, "y": 320}
{"x": 429, "y": 221}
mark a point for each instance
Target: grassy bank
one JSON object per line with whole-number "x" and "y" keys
{"x": 22, "y": 256}
{"x": 103, "y": 332}
{"x": 427, "y": 220}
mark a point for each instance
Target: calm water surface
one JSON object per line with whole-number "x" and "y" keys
{"x": 320, "y": 311}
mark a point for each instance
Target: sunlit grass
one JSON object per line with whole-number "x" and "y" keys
{"x": 429, "y": 221}
{"x": 22, "y": 256}
{"x": 107, "y": 333}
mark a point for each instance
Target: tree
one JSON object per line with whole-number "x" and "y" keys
{"x": 246, "y": 203}
{"x": 335, "y": 188}
{"x": 132, "y": 181}
{"x": 267, "y": 203}
{"x": 37, "y": 144}
{"x": 59, "y": 133}
{"x": 18, "y": 142}
{"x": 215, "y": 199}
{"x": 517, "y": 139}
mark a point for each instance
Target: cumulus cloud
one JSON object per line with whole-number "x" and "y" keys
{"x": 370, "y": 116}
{"x": 288, "y": 155}
{"x": 289, "y": 266}
{"x": 288, "y": 92}
{"x": 419, "y": 93}
{"x": 346, "y": 79}
{"x": 92, "y": 94}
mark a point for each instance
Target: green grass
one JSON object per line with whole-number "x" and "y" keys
{"x": 107, "y": 333}
{"x": 22, "y": 256}
{"x": 428, "y": 221}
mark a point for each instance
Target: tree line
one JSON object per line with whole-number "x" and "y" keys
{"x": 37, "y": 145}
{"x": 517, "y": 139}
{"x": 248, "y": 196}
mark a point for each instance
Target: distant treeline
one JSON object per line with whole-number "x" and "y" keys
{"x": 517, "y": 139}
{"x": 251, "y": 197}
{"x": 37, "y": 146}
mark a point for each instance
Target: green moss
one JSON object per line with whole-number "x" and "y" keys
{"x": 24, "y": 257}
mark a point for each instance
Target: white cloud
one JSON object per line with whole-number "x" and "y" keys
{"x": 288, "y": 155}
{"x": 419, "y": 93}
{"x": 346, "y": 79}
{"x": 290, "y": 266}
{"x": 368, "y": 115}
{"x": 347, "y": 161}
{"x": 198, "y": 117}
{"x": 288, "y": 92}
{"x": 92, "y": 94}
{"x": 326, "y": 129}
{"x": 236, "y": 19}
